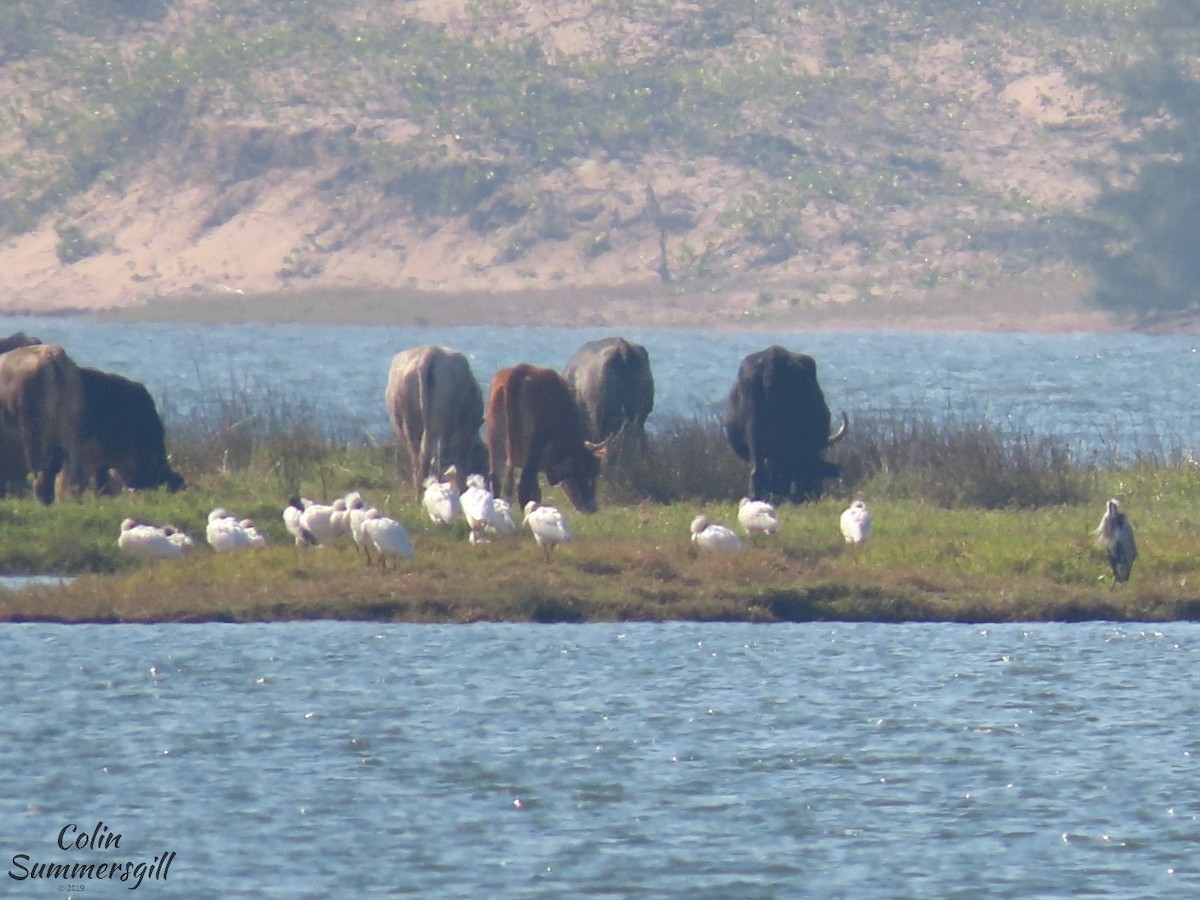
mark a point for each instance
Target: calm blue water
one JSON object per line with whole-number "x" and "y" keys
{"x": 1113, "y": 395}
{"x": 677, "y": 760}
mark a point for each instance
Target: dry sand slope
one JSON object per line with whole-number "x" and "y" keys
{"x": 280, "y": 245}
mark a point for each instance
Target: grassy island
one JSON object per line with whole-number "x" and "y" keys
{"x": 970, "y": 526}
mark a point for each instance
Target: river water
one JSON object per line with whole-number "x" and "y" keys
{"x": 1108, "y": 395}
{"x": 678, "y": 760}
{"x": 670, "y": 760}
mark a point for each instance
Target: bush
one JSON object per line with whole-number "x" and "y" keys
{"x": 73, "y": 245}
{"x": 245, "y": 426}
{"x": 959, "y": 464}
{"x": 689, "y": 458}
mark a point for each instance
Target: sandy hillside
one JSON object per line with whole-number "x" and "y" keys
{"x": 651, "y": 240}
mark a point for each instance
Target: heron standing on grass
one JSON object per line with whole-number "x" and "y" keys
{"x": 1115, "y": 535}
{"x": 478, "y": 507}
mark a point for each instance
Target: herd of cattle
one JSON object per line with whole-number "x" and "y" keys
{"x": 563, "y": 425}
{"x": 74, "y": 426}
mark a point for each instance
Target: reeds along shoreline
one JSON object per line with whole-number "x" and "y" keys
{"x": 971, "y": 524}
{"x": 951, "y": 462}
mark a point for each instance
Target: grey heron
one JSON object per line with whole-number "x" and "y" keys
{"x": 1115, "y": 535}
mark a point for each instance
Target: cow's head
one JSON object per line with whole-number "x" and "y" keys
{"x": 148, "y": 468}
{"x": 810, "y": 477}
{"x": 174, "y": 481}
{"x": 578, "y": 474}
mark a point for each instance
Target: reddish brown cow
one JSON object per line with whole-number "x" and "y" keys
{"x": 533, "y": 424}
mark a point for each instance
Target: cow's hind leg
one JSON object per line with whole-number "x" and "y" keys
{"x": 416, "y": 468}
{"x": 528, "y": 488}
{"x": 761, "y": 483}
{"x": 104, "y": 485}
{"x": 47, "y": 475}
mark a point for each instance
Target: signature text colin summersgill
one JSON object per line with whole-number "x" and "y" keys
{"x": 72, "y": 840}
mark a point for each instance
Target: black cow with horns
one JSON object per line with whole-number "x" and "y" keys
{"x": 776, "y": 419}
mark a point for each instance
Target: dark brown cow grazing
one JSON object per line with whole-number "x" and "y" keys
{"x": 614, "y": 389}
{"x": 436, "y": 407}
{"x": 777, "y": 420}
{"x": 534, "y": 425}
{"x": 41, "y": 405}
{"x": 121, "y": 431}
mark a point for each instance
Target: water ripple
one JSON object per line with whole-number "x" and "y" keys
{"x": 312, "y": 759}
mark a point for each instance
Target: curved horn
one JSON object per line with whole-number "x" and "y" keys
{"x": 841, "y": 432}
{"x": 600, "y": 450}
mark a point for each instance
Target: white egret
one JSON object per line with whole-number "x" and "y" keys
{"x": 710, "y": 536}
{"x": 179, "y": 539}
{"x": 225, "y": 533}
{"x": 151, "y": 543}
{"x": 502, "y": 522}
{"x": 548, "y": 524}
{"x": 441, "y": 499}
{"x": 388, "y": 536}
{"x": 356, "y": 514}
{"x": 757, "y": 517}
{"x": 257, "y": 539}
{"x": 339, "y": 519}
{"x": 478, "y": 508}
{"x": 856, "y": 523}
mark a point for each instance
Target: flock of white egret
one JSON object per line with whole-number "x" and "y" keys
{"x": 488, "y": 516}
{"x": 1114, "y": 534}
{"x": 757, "y": 517}
{"x": 350, "y": 518}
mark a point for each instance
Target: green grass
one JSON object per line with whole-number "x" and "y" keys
{"x": 630, "y": 561}
{"x": 972, "y": 524}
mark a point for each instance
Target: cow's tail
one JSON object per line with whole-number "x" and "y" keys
{"x": 52, "y": 413}
{"x": 512, "y": 423}
{"x": 425, "y": 390}
{"x": 503, "y": 422}
{"x": 635, "y": 404}
{"x": 69, "y": 418}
